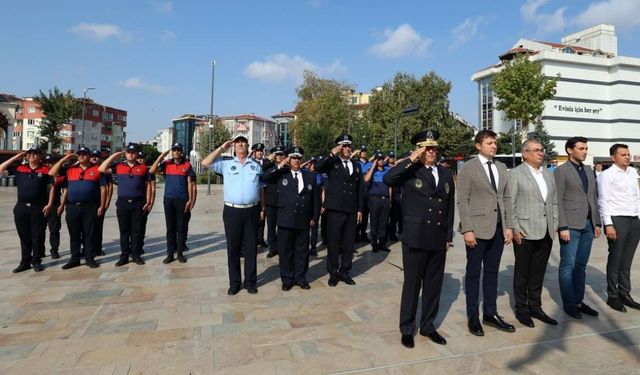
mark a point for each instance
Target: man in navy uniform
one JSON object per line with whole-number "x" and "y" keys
{"x": 86, "y": 194}
{"x": 54, "y": 222}
{"x": 298, "y": 210}
{"x": 35, "y": 200}
{"x": 365, "y": 165}
{"x": 395, "y": 212}
{"x": 96, "y": 158}
{"x": 152, "y": 194}
{"x": 257, "y": 153}
{"x": 178, "y": 199}
{"x": 134, "y": 199}
{"x": 271, "y": 201}
{"x": 344, "y": 202}
{"x": 379, "y": 194}
{"x": 428, "y": 229}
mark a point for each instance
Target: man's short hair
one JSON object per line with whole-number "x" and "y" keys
{"x": 614, "y": 149}
{"x": 571, "y": 143}
{"x": 484, "y": 134}
{"x": 525, "y": 144}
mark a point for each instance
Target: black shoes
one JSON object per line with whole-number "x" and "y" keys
{"x": 233, "y": 290}
{"x": 543, "y": 317}
{"x": 383, "y": 248}
{"x": 616, "y": 304}
{"x": 574, "y": 312}
{"x": 168, "y": 259}
{"x": 138, "y": 261}
{"x": 38, "y": 267}
{"x": 22, "y": 268}
{"x": 304, "y": 285}
{"x": 100, "y": 253}
{"x": 365, "y": 239}
{"x": 496, "y": 321}
{"x": 333, "y": 280}
{"x": 122, "y": 262}
{"x": 70, "y": 265}
{"x": 251, "y": 288}
{"x": 262, "y": 244}
{"x": 525, "y": 320}
{"x": 587, "y": 310}
{"x": 313, "y": 252}
{"x": 272, "y": 253}
{"x": 345, "y": 278}
{"x": 182, "y": 259}
{"x": 626, "y": 300}
{"x": 475, "y": 327}
{"x": 407, "y": 341}
{"x": 435, "y": 337}
{"x": 286, "y": 287}
{"x": 92, "y": 264}
{"x": 55, "y": 254}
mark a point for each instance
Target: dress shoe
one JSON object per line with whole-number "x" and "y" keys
{"x": 333, "y": 280}
{"x": 272, "y": 253}
{"x": 233, "y": 290}
{"x": 139, "y": 261}
{"x": 92, "y": 264}
{"x": 251, "y": 289}
{"x": 616, "y": 304}
{"x": 313, "y": 252}
{"x": 475, "y": 327}
{"x": 100, "y": 253}
{"x": 355, "y": 251}
{"x": 70, "y": 265}
{"x": 585, "y": 309}
{"x": 574, "y": 312}
{"x": 38, "y": 267}
{"x": 407, "y": 341}
{"x": 182, "y": 259}
{"x": 525, "y": 320}
{"x": 304, "y": 285}
{"x": 496, "y": 321}
{"x": 55, "y": 254}
{"x": 186, "y": 248}
{"x": 263, "y": 244}
{"x": 365, "y": 239}
{"x": 383, "y": 248}
{"x": 435, "y": 337}
{"x": 347, "y": 279}
{"x": 287, "y": 287}
{"x": 544, "y": 318}
{"x": 22, "y": 268}
{"x": 168, "y": 259}
{"x": 374, "y": 248}
{"x": 122, "y": 262}
{"x": 626, "y": 300}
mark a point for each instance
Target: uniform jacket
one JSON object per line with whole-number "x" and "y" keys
{"x": 573, "y": 203}
{"x": 532, "y": 214}
{"x": 295, "y": 210}
{"x": 428, "y": 213}
{"x": 271, "y": 190}
{"x": 478, "y": 203}
{"x": 345, "y": 192}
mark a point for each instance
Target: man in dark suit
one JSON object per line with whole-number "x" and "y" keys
{"x": 298, "y": 210}
{"x": 343, "y": 202}
{"x": 428, "y": 229}
{"x": 486, "y": 221}
{"x": 271, "y": 201}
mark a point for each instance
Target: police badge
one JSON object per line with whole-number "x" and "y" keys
{"x": 418, "y": 183}
{"x": 233, "y": 167}
{"x": 446, "y": 187}
{"x": 309, "y": 187}
{"x": 253, "y": 167}
{"x": 285, "y": 182}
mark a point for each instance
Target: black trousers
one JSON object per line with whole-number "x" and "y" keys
{"x": 130, "y": 222}
{"x": 175, "y": 219}
{"x": 395, "y": 218}
{"x": 241, "y": 228}
{"x": 621, "y": 252}
{"x": 271, "y": 219}
{"x": 379, "y": 208}
{"x": 341, "y": 229}
{"x": 187, "y": 219}
{"x": 293, "y": 250}
{"x": 531, "y": 259}
{"x": 323, "y": 228}
{"x": 81, "y": 223}
{"x": 261, "y": 224}
{"x": 143, "y": 229}
{"x": 485, "y": 259}
{"x": 361, "y": 229}
{"x": 424, "y": 270}
{"x": 97, "y": 234}
{"x": 54, "y": 222}
{"x": 31, "y": 225}
{"x": 313, "y": 237}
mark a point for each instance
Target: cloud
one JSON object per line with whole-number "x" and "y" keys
{"x": 401, "y": 42}
{"x": 621, "y": 13}
{"x": 137, "y": 83}
{"x": 162, "y": 6}
{"x": 546, "y": 22}
{"x": 465, "y": 31}
{"x": 282, "y": 68}
{"x": 168, "y": 36}
{"x": 98, "y": 32}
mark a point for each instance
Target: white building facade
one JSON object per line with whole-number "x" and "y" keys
{"x": 597, "y": 92}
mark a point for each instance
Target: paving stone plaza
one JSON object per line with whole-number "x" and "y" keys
{"x": 178, "y": 318}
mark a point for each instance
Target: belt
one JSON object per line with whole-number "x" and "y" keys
{"x": 241, "y": 205}
{"x": 81, "y": 204}
{"x": 379, "y": 196}
{"x": 131, "y": 200}
{"x": 29, "y": 204}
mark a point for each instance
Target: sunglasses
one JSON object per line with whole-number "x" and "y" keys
{"x": 295, "y": 157}
{"x": 346, "y": 146}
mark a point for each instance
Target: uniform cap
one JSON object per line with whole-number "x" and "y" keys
{"x": 83, "y": 150}
{"x": 391, "y": 154}
{"x": 34, "y": 150}
{"x": 363, "y": 147}
{"x": 277, "y": 150}
{"x": 379, "y": 154}
{"x": 132, "y": 147}
{"x": 176, "y": 146}
{"x": 95, "y": 153}
{"x": 141, "y": 154}
{"x": 427, "y": 138}
{"x": 258, "y": 147}
{"x": 344, "y": 139}
{"x": 296, "y": 151}
{"x": 240, "y": 137}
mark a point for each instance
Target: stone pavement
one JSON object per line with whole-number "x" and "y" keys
{"x": 178, "y": 319}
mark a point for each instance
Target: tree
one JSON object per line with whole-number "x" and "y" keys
{"x": 504, "y": 142}
{"x": 540, "y": 133}
{"x": 151, "y": 153}
{"x": 456, "y": 139}
{"x": 521, "y": 89}
{"x": 219, "y": 135}
{"x": 59, "y": 108}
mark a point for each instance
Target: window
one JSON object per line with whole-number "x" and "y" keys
{"x": 30, "y": 133}
{"x": 31, "y": 121}
{"x": 19, "y": 110}
{"x": 106, "y": 116}
{"x": 95, "y": 113}
{"x": 18, "y": 122}
{"x": 17, "y": 134}
{"x": 32, "y": 109}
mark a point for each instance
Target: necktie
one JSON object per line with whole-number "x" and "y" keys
{"x": 295, "y": 181}
{"x": 346, "y": 166}
{"x": 491, "y": 177}
{"x": 430, "y": 179}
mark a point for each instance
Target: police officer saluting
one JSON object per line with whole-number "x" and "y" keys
{"x": 344, "y": 202}
{"x": 257, "y": 153}
{"x": 53, "y": 219}
{"x": 86, "y": 194}
{"x": 428, "y": 229}
{"x": 298, "y": 210}
{"x": 178, "y": 198}
{"x": 271, "y": 202}
{"x": 96, "y": 158}
{"x": 379, "y": 202}
{"x": 35, "y": 200}
{"x": 134, "y": 199}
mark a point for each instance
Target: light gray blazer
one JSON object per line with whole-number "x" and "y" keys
{"x": 573, "y": 202}
{"x": 532, "y": 214}
{"x": 478, "y": 202}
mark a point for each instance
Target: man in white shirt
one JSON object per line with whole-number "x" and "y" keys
{"x": 535, "y": 220}
{"x": 619, "y": 203}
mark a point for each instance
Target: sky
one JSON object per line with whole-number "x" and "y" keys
{"x": 153, "y": 58}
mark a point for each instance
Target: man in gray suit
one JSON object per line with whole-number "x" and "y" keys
{"x": 535, "y": 220}
{"x": 578, "y": 223}
{"x": 484, "y": 206}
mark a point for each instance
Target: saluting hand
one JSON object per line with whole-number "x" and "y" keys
{"x": 336, "y": 150}
{"x": 415, "y": 155}
{"x": 284, "y": 162}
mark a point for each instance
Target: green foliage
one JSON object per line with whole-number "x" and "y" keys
{"x": 151, "y": 153}
{"x": 219, "y": 135}
{"x": 59, "y": 109}
{"x": 540, "y": 133}
{"x": 521, "y": 89}
{"x": 456, "y": 139}
{"x": 504, "y": 143}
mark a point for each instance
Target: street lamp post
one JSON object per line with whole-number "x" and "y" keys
{"x": 409, "y": 111}
{"x": 213, "y": 77}
{"x": 84, "y": 104}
